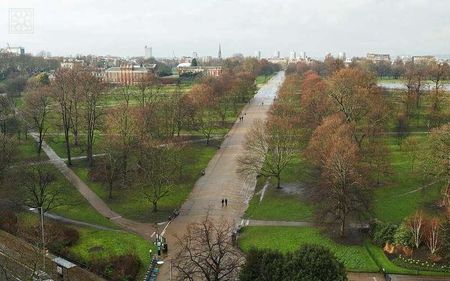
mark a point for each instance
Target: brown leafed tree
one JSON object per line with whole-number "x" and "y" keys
{"x": 36, "y": 109}
{"x": 353, "y": 92}
{"x": 206, "y": 252}
{"x": 206, "y": 119}
{"x": 270, "y": 147}
{"x": 343, "y": 193}
{"x": 315, "y": 103}
{"x": 436, "y": 159}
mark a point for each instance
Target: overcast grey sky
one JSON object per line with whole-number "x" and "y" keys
{"x": 317, "y": 27}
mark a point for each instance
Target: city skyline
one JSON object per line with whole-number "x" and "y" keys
{"x": 121, "y": 29}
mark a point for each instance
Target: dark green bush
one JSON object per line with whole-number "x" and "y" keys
{"x": 383, "y": 233}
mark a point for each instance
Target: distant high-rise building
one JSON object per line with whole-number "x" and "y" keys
{"x": 276, "y": 54}
{"x": 292, "y": 55}
{"x": 342, "y": 56}
{"x": 258, "y": 54}
{"x": 148, "y": 52}
{"x": 219, "y": 54}
{"x": 194, "y": 55}
{"x": 13, "y": 50}
{"x": 302, "y": 55}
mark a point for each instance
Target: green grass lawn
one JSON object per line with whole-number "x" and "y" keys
{"x": 261, "y": 79}
{"x": 279, "y": 205}
{"x": 27, "y": 150}
{"x": 106, "y": 243}
{"x": 285, "y": 239}
{"x": 110, "y": 243}
{"x": 75, "y": 206}
{"x": 130, "y": 202}
{"x": 392, "y": 201}
{"x": 58, "y": 144}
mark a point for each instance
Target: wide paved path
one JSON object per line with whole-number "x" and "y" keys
{"x": 221, "y": 179}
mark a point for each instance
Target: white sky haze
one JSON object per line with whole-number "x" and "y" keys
{"x": 101, "y": 27}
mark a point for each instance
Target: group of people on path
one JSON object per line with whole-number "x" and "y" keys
{"x": 224, "y": 201}
{"x": 241, "y": 118}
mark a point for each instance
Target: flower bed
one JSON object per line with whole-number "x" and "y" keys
{"x": 420, "y": 265}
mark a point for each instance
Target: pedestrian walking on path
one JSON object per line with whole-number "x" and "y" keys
{"x": 222, "y": 202}
{"x": 226, "y": 202}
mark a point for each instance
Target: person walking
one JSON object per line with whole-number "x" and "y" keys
{"x": 226, "y": 202}
{"x": 222, "y": 202}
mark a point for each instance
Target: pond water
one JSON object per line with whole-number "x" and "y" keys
{"x": 402, "y": 86}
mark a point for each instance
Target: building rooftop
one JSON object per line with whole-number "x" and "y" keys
{"x": 64, "y": 263}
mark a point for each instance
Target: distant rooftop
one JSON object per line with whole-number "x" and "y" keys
{"x": 64, "y": 263}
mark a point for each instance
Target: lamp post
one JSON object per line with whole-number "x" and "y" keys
{"x": 41, "y": 212}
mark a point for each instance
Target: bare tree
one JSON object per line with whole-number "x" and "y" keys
{"x": 416, "y": 75}
{"x": 410, "y": 146}
{"x": 158, "y": 167}
{"x": 433, "y": 235}
{"x": 91, "y": 88}
{"x": 121, "y": 122}
{"x": 438, "y": 72}
{"x": 108, "y": 168}
{"x": 36, "y": 109}
{"x": 63, "y": 88}
{"x": 270, "y": 147}
{"x": 8, "y": 150}
{"x": 207, "y": 252}
{"x": 39, "y": 192}
{"x": 5, "y": 112}
{"x": 416, "y": 223}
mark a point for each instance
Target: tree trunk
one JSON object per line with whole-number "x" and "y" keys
{"x": 278, "y": 181}
{"x": 155, "y": 206}
{"x": 110, "y": 191}
{"x": 342, "y": 230}
{"x": 69, "y": 159}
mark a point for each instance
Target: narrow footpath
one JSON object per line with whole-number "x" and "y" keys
{"x": 143, "y": 229}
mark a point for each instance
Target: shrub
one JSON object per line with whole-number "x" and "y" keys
{"x": 117, "y": 268}
{"x": 403, "y": 235}
{"x": 446, "y": 241}
{"x": 62, "y": 237}
{"x": 264, "y": 265}
{"x": 314, "y": 263}
{"x": 383, "y": 233}
{"x": 309, "y": 263}
{"x": 8, "y": 221}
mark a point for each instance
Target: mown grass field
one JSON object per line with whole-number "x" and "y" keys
{"x": 95, "y": 244}
{"x": 131, "y": 204}
{"x": 111, "y": 243}
{"x": 285, "y": 239}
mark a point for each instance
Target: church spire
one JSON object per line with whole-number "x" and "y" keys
{"x": 219, "y": 55}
